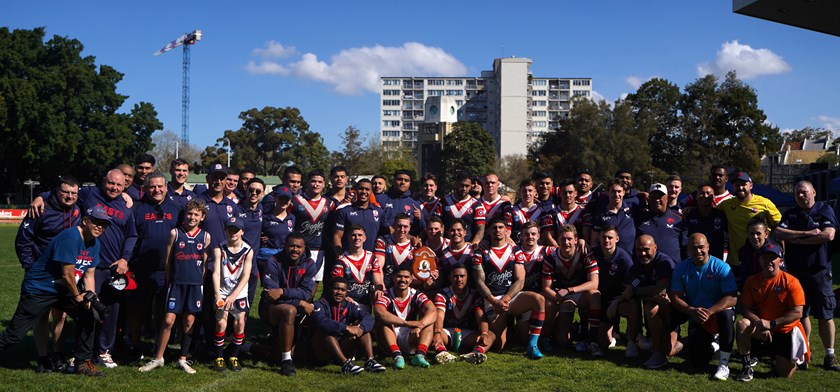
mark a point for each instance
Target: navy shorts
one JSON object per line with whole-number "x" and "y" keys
{"x": 820, "y": 301}
{"x": 184, "y": 298}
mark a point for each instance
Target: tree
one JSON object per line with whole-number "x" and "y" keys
{"x": 654, "y": 106}
{"x": 58, "y": 112}
{"x": 351, "y": 151}
{"x": 165, "y": 143}
{"x": 808, "y": 133}
{"x": 469, "y": 149}
{"x": 269, "y": 140}
{"x": 512, "y": 169}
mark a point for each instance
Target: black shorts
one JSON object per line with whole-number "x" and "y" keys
{"x": 184, "y": 298}
{"x": 820, "y": 301}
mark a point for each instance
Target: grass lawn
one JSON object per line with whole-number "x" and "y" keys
{"x": 505, "y": 371}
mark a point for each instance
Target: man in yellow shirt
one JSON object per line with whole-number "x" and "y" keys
{"x": 741, "y": 209}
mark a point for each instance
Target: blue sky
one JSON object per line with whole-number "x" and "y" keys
{"x": 321, "y": 56}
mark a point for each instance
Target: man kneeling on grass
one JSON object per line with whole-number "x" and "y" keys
{"x": 341, "y": 326}
{"x": 397, "y": 313}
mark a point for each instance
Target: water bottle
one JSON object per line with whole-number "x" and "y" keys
{"x": 456, "y": 340}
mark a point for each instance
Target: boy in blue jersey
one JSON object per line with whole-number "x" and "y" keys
{"x": 186, "y": 255}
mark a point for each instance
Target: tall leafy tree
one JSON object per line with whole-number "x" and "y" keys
{"x": 58, "y": 112}
{"x": 468, "y": 148}
{"x": 654, "y": 106}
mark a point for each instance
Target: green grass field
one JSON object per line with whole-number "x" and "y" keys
{"x": 503, "y": 371}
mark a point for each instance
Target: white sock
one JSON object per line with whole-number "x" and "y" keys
{"x": 724, "y": 358}
{"x": 286, "y": 355}
{"x": 829, "y": 352}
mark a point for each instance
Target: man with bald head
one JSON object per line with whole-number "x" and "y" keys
{"x": 648, "y": 280}
{"x": 703, "y": 293}
{"x": 807, "y": 229}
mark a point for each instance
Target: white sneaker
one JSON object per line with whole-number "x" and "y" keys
{"x": 185, "y": 366}
{"x": 595, "y": 350}
{"x": 106, "y": 360}
{"x": 632, "y": 350}
{"x": 445, "y": 357}
{"x": 155, "y": 363}
{"x": 722, "y": 373}
{"x": 613, "y": 341}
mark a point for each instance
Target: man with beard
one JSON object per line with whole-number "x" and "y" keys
{"x": 741, "y": 209}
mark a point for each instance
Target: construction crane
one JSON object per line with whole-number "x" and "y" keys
{"x": 187, "y": 40}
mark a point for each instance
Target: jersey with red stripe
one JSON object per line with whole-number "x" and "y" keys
{"x": 583, "y": 200}
{"x": 469, "y": 210}
{"x": 692, "y": 202}
{"x": 557, "y": 218}
{"x": 407, "y": 308}
{"x": 499, "y": 207}
{"x": 359, "y": 274}
{"x": 459, "y": 311}
{"x": 499, "y": 265}
{"x": 568, "y": 272}
{"x": 431, "y": 207}
{"x": 395, "y": 255}
{"x": 310, "y": 216}
{"x": 520, "y": 215}
{"x": 533, "y": 262}
{"x": 438, "y": 249}
{"x": 232, "y": 268}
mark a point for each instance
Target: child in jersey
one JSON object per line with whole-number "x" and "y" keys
{"x": 230, "y": 286}
{"x": 186, "y": 255}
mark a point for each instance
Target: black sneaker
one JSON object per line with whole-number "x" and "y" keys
{"x": 87, "y": 368}
{"x": 287, "y": 368}
{"x": 44, "y": 365}
{"x": 351, "y": 368}
{"x": 830, "y": 363}
{"x": 746, "y": 374}
{"x": 374, "y": 367}
{"x": 58, "y": 362}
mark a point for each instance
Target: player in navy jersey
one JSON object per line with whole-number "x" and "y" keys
{"x": 33, "y": 236}
{"x": 531, "y": 255}
{"x": 527, "y": 209}
{"x": 458, "y": 251}
{"x": 662, "y": 223}
{"x": 462, "y": 206}
{"x": 569, "y": 280}
{"x": 566, "y": 212}
{"x": 338, "y": 187}
{"x": 311, "y": 211}
{"x": 179, "y": 171}
{"x": 583, "y": 183}
{"x": 230, "y": 286}
{"x": 395, "y": 249}
{"x": 405, "y": 319}
{"x": 708, "y": 220}
{"x": 545, "y": 190}
{"x": 433, "y": 236}
{"x": 341, "y": 329}
{"x": 186, "y": 255}
{"x": 429, "y": 202}
{"x": 613, "y": 264}
{"x": 649, "y": 280}
{"x": 495, "y": 204}
{"x": 288, "y": 280}
{"x": 155, "y": 216}
{"x": 144, "y": 165}
{"x": 674, "y": 186}
{"x": 363, "y": 213}
{"x": 500, "y": 277}
{"x": 460, "y": 307}
{"x": 617, "y": 213}
{"x": 60, "y": 277}
{"x": 292, "y": 178}
{"x": 359, "y": 267}
{"x": 397, "y": 199}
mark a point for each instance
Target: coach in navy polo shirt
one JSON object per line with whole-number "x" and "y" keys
{"x": 662, "y": 223}
{"x": 398, "y": 199}
{"x": 250, "y": 212}
{"x": 708, "y": 220}
{"x": 617, "y": 214}
{"x": 144, "y": 165}
{"x": 176, "y": 191}
{"x": 361, "y": 213}
{"x": 220, "y": 208}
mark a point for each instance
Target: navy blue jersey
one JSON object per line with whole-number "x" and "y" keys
{"x": 154, "y": 226}
{"x": 333, "y": 319}
{"x": 68, "y": 247}
{"x": 498, "y": 208}
{"x": 469, "y": 210}
{"x": 310, "y": 216}
{"x": 564, "y": 273}
{"x": 119, "y": 238}
{"x": 135, "y": 191}
{"x": 612, "y": 271}
{"x": 271, "y": 198}
{"x": 393, "y": 203}
{"x": 801, "y": 258}
{"x": 180, "y": 199}
{"x": 277, "y": 229}
{"x": 520, "y": 215}
{"x": 371, "y": 218}
{"x": 533, "y": 262}
{"x": 459, "y": 312}
{"x": 714, "y": 227}
{"x": 218, "y": 214}
{"x": 553, "y": 221}
{"x": 359, "y": 274}
{"x": 661, "y": 267}
{"x": 187, "y": 259}
{"x": 253, "y": 219}
{"x": 35, "y": 233}
{"x": 296, "y": 279}
{"x": 407, "y": 308}
{"x": 393, "y": 255}
{"x": 667, "y": 229}
{"x": 499, "y": 265}
{"x": 623, "y": 222}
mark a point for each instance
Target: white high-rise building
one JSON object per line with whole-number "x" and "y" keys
{"x": 508, "y": 102}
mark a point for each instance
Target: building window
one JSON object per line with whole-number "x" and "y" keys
{"x": 390, "y": 102}
{"x": 539, "y": 113}
{"x": 390, "y": 123}
{"x": 540, "y": 103}
{"x": 390, "y": 92}
{"x": 538, "y": 93}
{"x": 454, "y": 82}
{"x": 580, "y": 82}
{"x": 391, "y": 133}
{"x": 435, "y": 93}
{"x": 540, "y": 124}
{"x": 579, "y": 93}
{"x": 435, "y": 82}
{"x": 388, "y": 113}
{"x": 455, "y": 92}
{"x": 391, "y": 82}
{"x": 540, "y": 82}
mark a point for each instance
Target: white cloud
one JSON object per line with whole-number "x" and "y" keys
{"x": 274, "y": 50}
{"x": 354, "y": 71}
{"x": 637, "y": 81}
{"x": 832, "y": 123}
{"x": 597, "y": 97}
{"x": 746, "y": 61}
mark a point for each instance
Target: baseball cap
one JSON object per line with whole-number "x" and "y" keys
{"x": 770, "y": 247}
{"x": 123, "y": 282}
{"x": 235, "y": 222}
{"x": 283, "y": 191}
{"x": 216, "y": 168}
{"x": 742, "y": 176}
{"x": 657, "y": 187}
{"x": 98, "y": 213}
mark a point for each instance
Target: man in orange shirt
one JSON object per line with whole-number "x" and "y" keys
{"x": 772, "y": 302}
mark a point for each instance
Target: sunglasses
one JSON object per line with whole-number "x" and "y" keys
{"x": 255, "y": 191}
